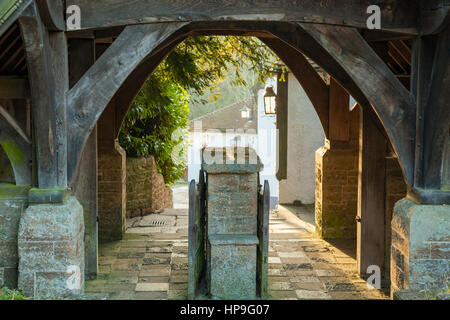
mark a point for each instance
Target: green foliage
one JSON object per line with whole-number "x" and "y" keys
{"x": 156, "y": 122}
{"x": 9, "y": 294}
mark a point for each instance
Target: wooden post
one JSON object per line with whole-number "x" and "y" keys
{"x": 371, "y": 195}
{"x": 47, "y": 67}
{"x": 282, "y": 125}
{"x": 84, "y": 185}
{"x": 339, "y": 112}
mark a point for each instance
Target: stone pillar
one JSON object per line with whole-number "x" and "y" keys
{"x": 336, "y": 196}
{"x": 111, "y": 192}
{"x": 336, "y": 193}
{"x": 420, "y": 256}
{"x": 51, "y": 246}
{"x": 232, "y": 208}
{"x": 13, "y": 202}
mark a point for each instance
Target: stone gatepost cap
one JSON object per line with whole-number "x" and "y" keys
{"x": 231, "y": 160}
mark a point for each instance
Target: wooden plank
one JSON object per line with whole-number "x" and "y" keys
{"x": 37, "y": 50}
{"x": 263, "y": 236}
{"x": 316, "y": 89}
{"x": 434, "y": 16}
{"x": 437, "y": 114}
{"x": 422, "y": 64}
{"x": 17, "y": 146}
{"x": 371, "y": 196}
{"x": 82, "y": 57}
{"x": 85, "y": 184}
{"x": 14, "y": 88}
{"x": 52, "y": 13}
{"x": 339, "y": 112}
{"x": 392, "y": 102}
{"x": 90, "y": 96}
{"x": 396, "y": 16}
{"x": 197, "y": 236}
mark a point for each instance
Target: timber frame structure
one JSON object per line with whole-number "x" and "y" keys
{"x": 399, "y": 75}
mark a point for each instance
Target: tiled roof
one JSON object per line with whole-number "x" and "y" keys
{"x": 228, "y": 117}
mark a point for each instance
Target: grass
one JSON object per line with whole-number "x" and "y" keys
{"x": 11, "y": 294}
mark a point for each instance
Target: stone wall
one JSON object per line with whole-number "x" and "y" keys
{"x": 13, "y": 203}
{"x": 420, "y": 256}
{"x": 305, "y": 136}
{"x": 111, "y": 193}
{"x": 146, "y": 189}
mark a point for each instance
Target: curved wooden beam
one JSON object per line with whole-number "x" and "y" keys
{"x": 434, "y": 16}
{"x": 315, "y": 88}
{"x": 400, "y": 15}
{"x": 17, "y": 146}
{"x": 391, "y": 101}
{"x": 52, "y": 14}
{"x": 134, "y": 83}
{"x": 92, "y": 93}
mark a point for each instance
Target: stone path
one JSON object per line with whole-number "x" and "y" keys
{"x": 151, "y": 262}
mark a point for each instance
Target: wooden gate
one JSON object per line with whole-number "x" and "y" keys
{"x": 197, "y": 235}
{"x": 263, "y": 236}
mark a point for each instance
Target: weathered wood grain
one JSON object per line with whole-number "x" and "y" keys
{"x": 47, "y": 68}
{"x": 434, "y": 16}
{"x": 371, "y": 195}
{"x": 437, "y": 114}
{"x": 52, "y": 13}
{"x": 395, "y": 15}
{"x": 339, "y": 112}
{"x": 90, "y": 96}
{"x": 392, "y": 102}
{"x": 133, "y": 85}
{"x": 263, "y": 237}
{"x": 84, "y": 185}
{"x": 17, "y": 146}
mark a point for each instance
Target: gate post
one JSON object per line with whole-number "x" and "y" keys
{"x": 232, "y": 221}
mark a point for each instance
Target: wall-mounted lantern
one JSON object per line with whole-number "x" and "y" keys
{"x": 245, "y": 113}
{"x": 270, "y": 101}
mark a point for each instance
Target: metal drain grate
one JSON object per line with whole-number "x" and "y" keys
{"x": 158, "y": 223}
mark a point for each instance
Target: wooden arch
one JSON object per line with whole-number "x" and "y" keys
{"x": 139, "y": 49}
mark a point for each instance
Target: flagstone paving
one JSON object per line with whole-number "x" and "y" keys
{"x": 151, "y": 262}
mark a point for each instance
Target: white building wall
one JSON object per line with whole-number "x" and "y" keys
{"x": 305, "y": 136}
{"x": 264, "y": 142}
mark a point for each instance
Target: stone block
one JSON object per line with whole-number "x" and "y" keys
{"x": 13, "y": 202}
{"x": 233, "y": 266}
{"x": 51, "y": 250}
{"x": 419, "y": 246}
{"x": 336, "y": 193}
